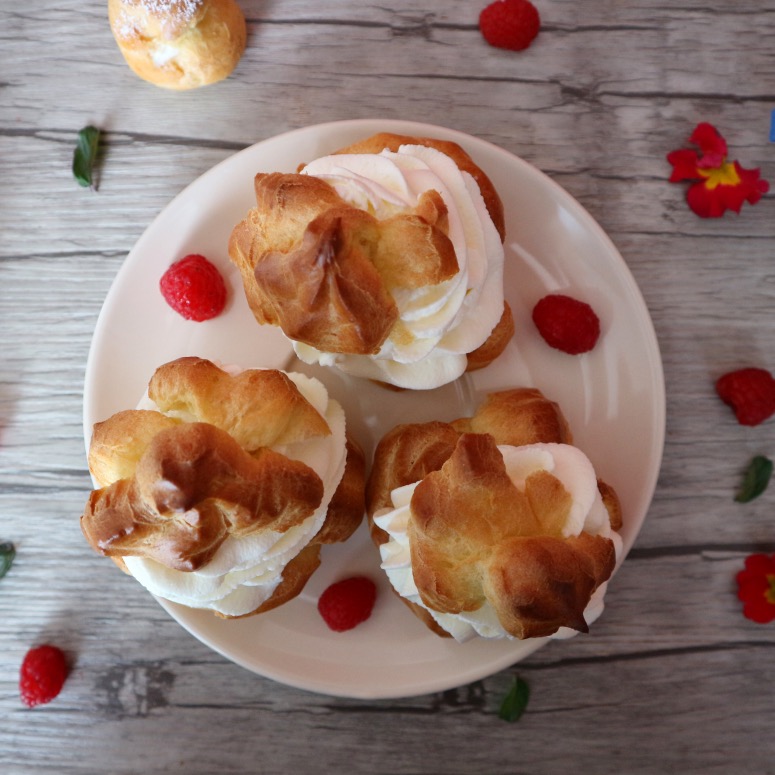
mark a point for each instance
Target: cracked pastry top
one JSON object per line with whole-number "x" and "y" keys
{"x": 384, "y": 260}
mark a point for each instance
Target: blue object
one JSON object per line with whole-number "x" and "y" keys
{"x": 772, "y": 127}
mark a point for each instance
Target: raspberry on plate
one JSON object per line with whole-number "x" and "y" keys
{"x": 194, "y": 288}
{"x": 347, "y": 603}
{"x": 510, "y": 24}
{"x": 566, "y": 323}
{"x": 750, "y": 392}
{"x": 42, "y": 675}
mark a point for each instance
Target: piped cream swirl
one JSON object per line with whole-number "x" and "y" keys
{"x": 438, "y": 324}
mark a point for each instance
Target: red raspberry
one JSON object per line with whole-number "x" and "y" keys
{"x": 750, "y": 392}
{"x": 566, "y": 323}
{"x": 347, "y": 603}
{"x": 42, "y": 675}
{"x": 194, "y": 288}
{"x": 511, "y": 24}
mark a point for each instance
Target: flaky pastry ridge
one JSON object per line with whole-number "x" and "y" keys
{"x": 173, "y": 487}
{"x": 474, "y": 536}
{"x": 323, "y": 270}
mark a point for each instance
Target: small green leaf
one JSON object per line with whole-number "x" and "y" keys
{"x": 7, "y": 553}
{"x": 757, "y": 477}
{"x": 515, "y": 702}
{"x": 85, "y": 155}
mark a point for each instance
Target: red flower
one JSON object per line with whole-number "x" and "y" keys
{"x": 756, "y": 588}
{"x": 720, "y": 185}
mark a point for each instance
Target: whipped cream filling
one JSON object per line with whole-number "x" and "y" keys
{"x": 587, "y": 513}
{"x": 163, "y": 53}
{"x": 245, "y": 572}
{"x": 438, "y": 324}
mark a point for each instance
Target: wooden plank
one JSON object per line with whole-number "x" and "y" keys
{"x": 672, "y": 678}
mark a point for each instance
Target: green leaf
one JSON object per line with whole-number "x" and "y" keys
{"x": 85, "y": 155}
{"x": 515, "y": 702}
{"x": 7, "y": 553}
{"x": 757, "y": 477}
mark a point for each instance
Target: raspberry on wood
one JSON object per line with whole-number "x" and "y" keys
{"x": 42, "y": 675}
{"x": 750, "y": 392}
{"x": 510, "y": 24}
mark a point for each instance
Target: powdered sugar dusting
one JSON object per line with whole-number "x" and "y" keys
{"x": 177, "y": 11}
{"x": 172, "y": 15}
{"x": 125, "y": 27}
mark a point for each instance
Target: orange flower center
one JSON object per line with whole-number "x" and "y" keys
{"x": 769, "y": 595}
{"x": 725, "y": 175}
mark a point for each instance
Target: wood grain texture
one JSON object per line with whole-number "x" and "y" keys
{"x": 672, "y": 678}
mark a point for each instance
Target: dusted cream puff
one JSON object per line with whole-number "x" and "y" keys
{"x": 179, "y": 44}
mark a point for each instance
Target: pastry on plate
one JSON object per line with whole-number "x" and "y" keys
{"x": 494, "y": 525}
{"x": 218, "y": 492}
{"x": 179, "y": 44}
{"x": 384, "y": 259}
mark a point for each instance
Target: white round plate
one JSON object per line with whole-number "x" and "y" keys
{"x": 612, "y": 396}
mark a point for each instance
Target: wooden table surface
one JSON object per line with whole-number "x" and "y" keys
{"x": 672, "y": 678}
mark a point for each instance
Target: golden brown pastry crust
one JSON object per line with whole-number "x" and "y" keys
{"x": 508, "y": 549}
{"x": 193, "y": 487}
{"x": 179, "y": 44}
{"x": 495, "y": 343}
{"x": 324, "y": 270}
{"x": 407, "y": 453}
{"x": 348, "y": 506}
{"x": 517, "y": 417}
{"x": 258, "y": 407}
{"x": 173, "y": 489}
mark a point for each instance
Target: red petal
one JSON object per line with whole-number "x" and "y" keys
{"x": 684, "y": 165}
{"x": 760, "y": 563}
{"x": 705, "y": 202}
{"x": 751, "y": 587}
{"x": 759, "y": 611}
{"x": 711, "y": 143}
{"x": 732, "y": 197}
{"x": 752, "y": 182}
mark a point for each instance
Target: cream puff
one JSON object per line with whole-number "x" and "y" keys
{"x": 179, "y": 44}
{"x": 495, "y": 525}
{"x": 220, "y": 490}
{"x": 384, "y": 260}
